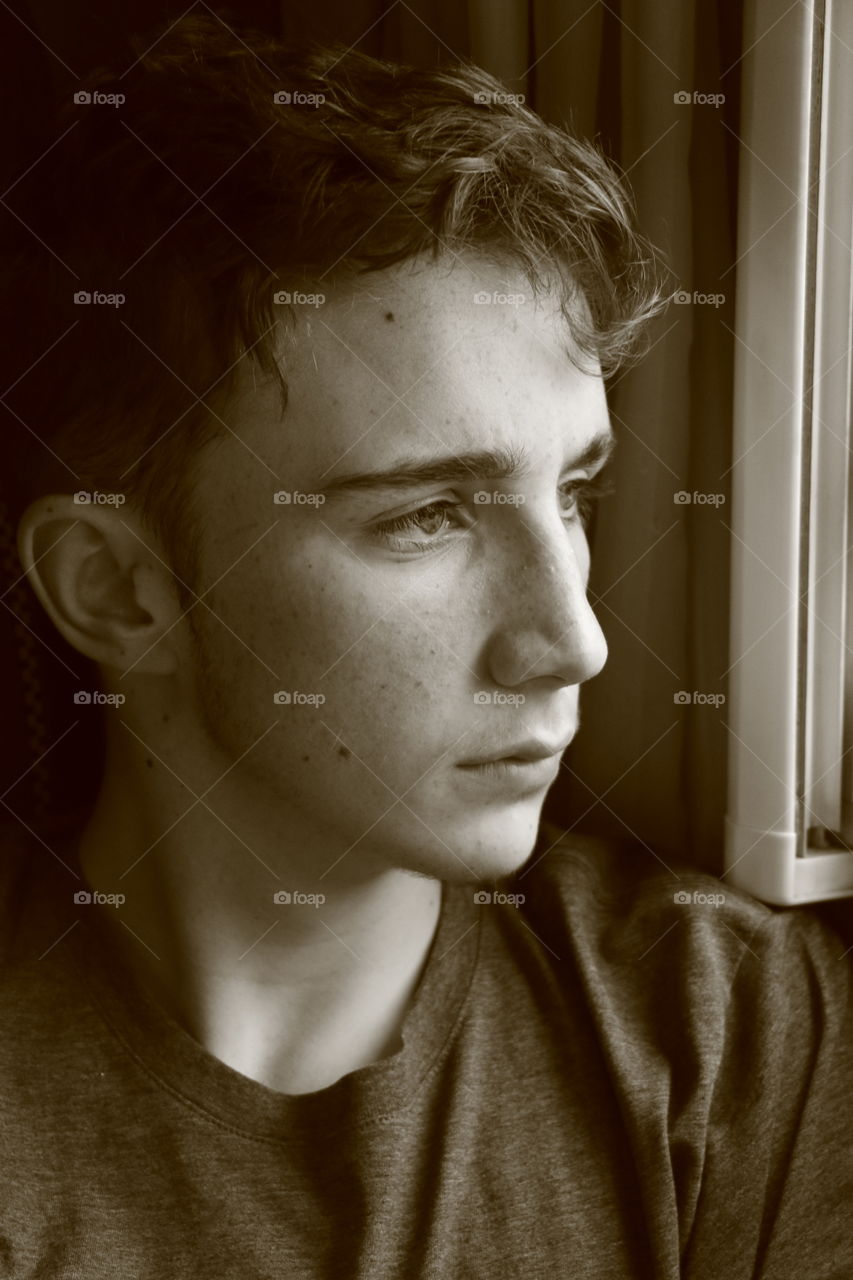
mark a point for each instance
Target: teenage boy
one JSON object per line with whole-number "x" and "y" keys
{"x": 311, "y": 992}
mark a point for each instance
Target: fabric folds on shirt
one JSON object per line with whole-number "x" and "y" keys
{"x": 619, "y": 1076}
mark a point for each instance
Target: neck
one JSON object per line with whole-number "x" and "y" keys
{"x": 294, "y": 994}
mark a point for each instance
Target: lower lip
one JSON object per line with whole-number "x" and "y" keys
{"x": 520, "y": 773}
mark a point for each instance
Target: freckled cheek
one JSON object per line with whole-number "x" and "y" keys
{"x": 289, "y": 614}
{"x": 394, "y": 689}
{"x": 353, "y": 639}
{"x": 381, "y": 678}
{"x": 389, "y": 663}
{"x": 391, "y": 708}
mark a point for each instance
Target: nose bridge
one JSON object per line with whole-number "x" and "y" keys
{"x": 550, "y": 628}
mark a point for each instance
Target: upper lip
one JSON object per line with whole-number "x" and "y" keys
{"x": 532, "y": 749}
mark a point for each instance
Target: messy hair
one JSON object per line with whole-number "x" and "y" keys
{"x": 218, "y": 171}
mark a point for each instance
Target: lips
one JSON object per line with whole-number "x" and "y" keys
{"x": 521, "y": 753}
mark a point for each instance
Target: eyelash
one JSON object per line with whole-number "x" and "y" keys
{"x": 586, "y": 493}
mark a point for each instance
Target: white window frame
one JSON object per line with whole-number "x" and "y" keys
{"x": 790, "y": 798}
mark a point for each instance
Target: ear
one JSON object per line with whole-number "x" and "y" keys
{"x": 100, "y": 577}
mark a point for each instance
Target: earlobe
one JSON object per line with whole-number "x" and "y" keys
{"x": 103, "y": 589}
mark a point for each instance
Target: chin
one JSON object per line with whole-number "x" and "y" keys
{"x": 489, "y": 843}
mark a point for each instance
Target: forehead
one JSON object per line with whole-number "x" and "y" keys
{"x": 425, "y": 356}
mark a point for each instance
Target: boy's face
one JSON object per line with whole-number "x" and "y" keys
{"x": 461, "y": 636}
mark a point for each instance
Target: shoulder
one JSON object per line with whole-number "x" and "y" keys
{"x": 640, "y": 924}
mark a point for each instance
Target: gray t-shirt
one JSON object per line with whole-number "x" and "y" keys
{"x": 597, "y": 1082}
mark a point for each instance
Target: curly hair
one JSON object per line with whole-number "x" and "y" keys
{"x": 217, "y": 171}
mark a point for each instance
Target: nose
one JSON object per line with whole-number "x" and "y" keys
{"x": 547, "y": 627}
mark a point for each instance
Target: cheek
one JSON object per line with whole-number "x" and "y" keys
{"x": 384, "y": 682}
{"x": 343, "y": 633}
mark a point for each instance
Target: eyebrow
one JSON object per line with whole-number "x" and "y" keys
{"x": 461, "y": 468}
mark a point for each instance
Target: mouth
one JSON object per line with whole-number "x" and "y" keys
{"x": 511, "y": 773}
{"x": 531, "y": 752}
{"x": 527, "y": 767}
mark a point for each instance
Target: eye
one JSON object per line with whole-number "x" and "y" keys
{"x": 429, "y": 525}
{"x": 431, "y": 521}
{"x": 583, "y": 495}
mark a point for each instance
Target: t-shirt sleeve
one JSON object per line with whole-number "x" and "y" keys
{"x": 776, "y": 1180}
